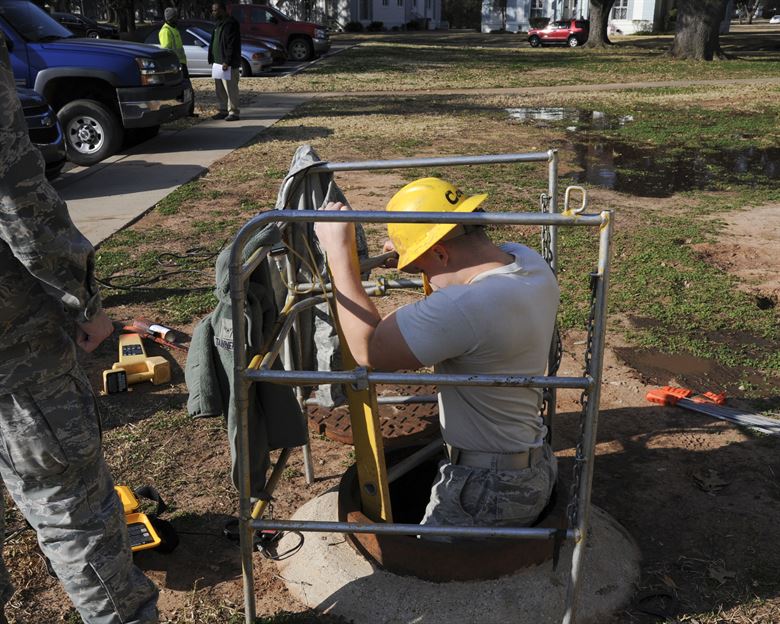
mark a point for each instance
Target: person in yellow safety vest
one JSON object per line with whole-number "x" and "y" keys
{"x": 170, "y": 39}
{"x": 491, "y": 310}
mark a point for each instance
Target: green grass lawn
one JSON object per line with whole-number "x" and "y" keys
{"x": 476, "y": 61}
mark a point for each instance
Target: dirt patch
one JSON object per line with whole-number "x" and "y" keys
{"x": 747, "y": 248}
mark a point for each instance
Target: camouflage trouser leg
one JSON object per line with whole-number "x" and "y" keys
{"x": 52, "y": 463}
{"x": 466, "y": 496}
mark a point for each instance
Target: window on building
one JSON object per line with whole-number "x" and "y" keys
{"x": 385, "y": 2}
{"x": 537, "y": 8}
{"x": 400, "y": 3}
{"x": 428, "y": 4}
{"x": 620, "y": 10}
{"x": 365, "y": 9}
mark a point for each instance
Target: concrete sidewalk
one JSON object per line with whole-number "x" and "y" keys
{"x": 104, "y": 198}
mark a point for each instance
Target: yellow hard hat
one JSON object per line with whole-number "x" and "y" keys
{"x": 411, "y": 240}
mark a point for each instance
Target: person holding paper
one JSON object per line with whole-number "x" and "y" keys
{"x": 225, "y": 59}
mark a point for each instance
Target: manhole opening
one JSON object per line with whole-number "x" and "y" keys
{"x": 462, "y": 560}
{"x": 409, "y": 494}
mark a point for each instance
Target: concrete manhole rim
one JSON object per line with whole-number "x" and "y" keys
{"x": 329, "y": 575}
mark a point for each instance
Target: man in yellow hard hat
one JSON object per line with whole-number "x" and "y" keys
{"x": 491, "y": 311}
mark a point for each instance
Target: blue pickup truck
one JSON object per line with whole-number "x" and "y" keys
{"x": 99, "y": 88}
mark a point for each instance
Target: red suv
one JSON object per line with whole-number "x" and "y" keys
{"x": 569, "y": 32}
{"x": 303, "y": 40}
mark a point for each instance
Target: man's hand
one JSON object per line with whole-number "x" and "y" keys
{"x": 391, "y": 262}
{"x": 336, "y": 239}
{"x": 224, "y": 66}
{"x": 90, "y": 334}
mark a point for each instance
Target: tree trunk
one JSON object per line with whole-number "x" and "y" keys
{"x": 697, "y": 33}
{"x": 130, "y": 10}
{"x": 598, "y": 37}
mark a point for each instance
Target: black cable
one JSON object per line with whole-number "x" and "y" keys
{"x": 165, "y": 259}
{"x": 269, "y": 552}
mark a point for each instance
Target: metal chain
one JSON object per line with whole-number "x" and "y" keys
{"x": 547, "y": 252}
{"x": 579, "y": 457}
{"x": 556, "y": 348}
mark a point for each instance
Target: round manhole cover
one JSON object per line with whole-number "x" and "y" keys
{"x": 401, "y": 424}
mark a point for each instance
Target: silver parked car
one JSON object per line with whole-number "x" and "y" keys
{"x": 255, "y": 58}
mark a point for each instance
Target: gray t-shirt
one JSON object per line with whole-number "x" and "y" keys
{"x": 500, "y": 323}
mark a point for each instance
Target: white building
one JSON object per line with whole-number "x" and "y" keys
{"x": 392, "y": 13}
{"x": 626, "y": 17}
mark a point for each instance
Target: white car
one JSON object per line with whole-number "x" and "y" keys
{"x": 775, "y": 19}
{"x": 254, "y": 58}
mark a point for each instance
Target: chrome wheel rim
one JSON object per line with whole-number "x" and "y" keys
{"x": 299, "y": 50}
{"x": 85, "y": 134}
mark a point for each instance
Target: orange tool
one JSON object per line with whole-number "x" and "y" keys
{"x": 712, "y": 404}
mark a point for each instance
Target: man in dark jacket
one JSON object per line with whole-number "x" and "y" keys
{"x": 225, "y": 50}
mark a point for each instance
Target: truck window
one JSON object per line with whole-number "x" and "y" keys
{"x": 259, "y": 16}
{"x": 33, "y": 24}
{"x": 278, "y": 15}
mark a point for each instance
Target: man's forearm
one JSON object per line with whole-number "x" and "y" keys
{"x": 358, "y": 315}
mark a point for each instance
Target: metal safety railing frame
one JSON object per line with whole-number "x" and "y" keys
{"x": 240, "y": 270}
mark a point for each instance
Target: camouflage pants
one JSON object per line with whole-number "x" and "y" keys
{"x": 52, "y": 463}
{"x": 466, "y": 496}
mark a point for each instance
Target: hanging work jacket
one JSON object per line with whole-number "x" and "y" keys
{"x": 319, "y": 340}
{"x": 275, "y": 419}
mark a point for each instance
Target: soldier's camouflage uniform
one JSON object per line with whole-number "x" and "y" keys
{"x": 51, "y": 458}
{"x": 466, "y": 496}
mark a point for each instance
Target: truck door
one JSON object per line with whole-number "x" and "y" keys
{"x": 17, "y": 50}
{"x": 264, "y": 23}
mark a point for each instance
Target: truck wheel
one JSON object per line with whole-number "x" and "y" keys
{"x": 245, "y": 71}
{"x": 92, "y": 131}
{"x": 573, "y": 42}
{"x": 300, "y": 49}
{"x": 535, "y": 41}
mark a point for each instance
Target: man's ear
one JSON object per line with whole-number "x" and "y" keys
{"x": 439, "y": 253}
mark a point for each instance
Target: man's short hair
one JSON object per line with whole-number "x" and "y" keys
{"x": 221, "y": 4}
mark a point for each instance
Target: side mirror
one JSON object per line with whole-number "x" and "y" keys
{"x": 9, "y": 44}
{"x": 273, "y": 20}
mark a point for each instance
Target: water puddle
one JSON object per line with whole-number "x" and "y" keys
{"x": 649, "y": 171}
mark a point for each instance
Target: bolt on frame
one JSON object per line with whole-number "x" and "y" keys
{"x": 259, "y": 370}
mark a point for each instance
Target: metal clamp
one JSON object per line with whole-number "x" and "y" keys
{"x": 567, "y": 195}
{"x": 361, "y": 383}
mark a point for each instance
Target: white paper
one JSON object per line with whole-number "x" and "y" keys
{"x": 220, "y": 74}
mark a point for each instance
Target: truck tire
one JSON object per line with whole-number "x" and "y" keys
{"x": 92, "y": 132}
{"x": 300, "y": 49}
